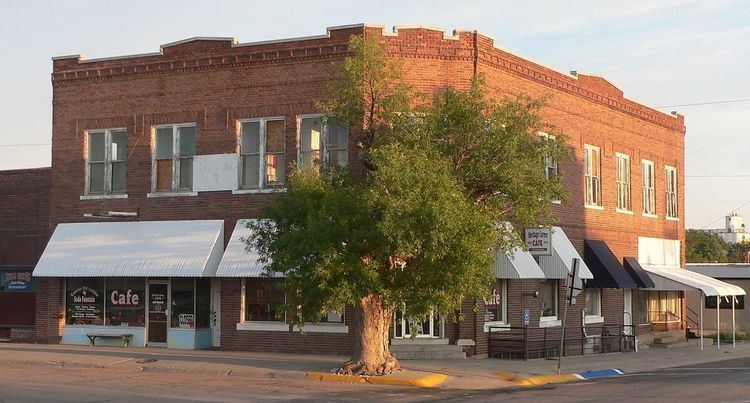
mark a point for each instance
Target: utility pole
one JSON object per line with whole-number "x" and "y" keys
{"x": 573, "y": 287}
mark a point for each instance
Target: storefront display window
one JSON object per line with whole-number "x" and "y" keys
{"x": 263, "y": 300}
{"x": 84, "y": 301}
{"x": 183, "y": 304}
{"x": 494, "y": 306}
{"x": 203, "y": 302}
{"x": 548, "y": 297}
{"x": 125, "y": 302}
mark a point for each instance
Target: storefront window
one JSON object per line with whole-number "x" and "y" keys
{"x": 548, "y": 297}
{"x": 203, "y": 302}
{"x": 84, "y": 301}
{"x": 593, "y": 301}
{"x": 126, "y": 302}
{"x": 642, "y": 306}
{"x": 665, "y": 306}
{"x": 183, "y": 303}
{"x": 726, "y": 302}
{"x": 493, "y": 308}
{"x": 263, "y": 300}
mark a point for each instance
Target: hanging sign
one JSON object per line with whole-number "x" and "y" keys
{"x": 539, "y": 241}
{"x": 16, "y": 281}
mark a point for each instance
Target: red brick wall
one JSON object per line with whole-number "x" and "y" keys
{"x": 213, "y": 83}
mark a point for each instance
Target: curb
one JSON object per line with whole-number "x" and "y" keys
{"x": 539, "y": 380}
{"x": 427, "y": 381}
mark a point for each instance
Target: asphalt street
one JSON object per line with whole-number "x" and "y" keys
{"x": 722, "y": 381}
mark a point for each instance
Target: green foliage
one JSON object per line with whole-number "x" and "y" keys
{"x": 739, "y": 252}
{"x": 704, "y": 247}
{"x": 421, "y": 223}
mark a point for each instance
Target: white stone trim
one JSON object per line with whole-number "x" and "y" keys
{"x": 104, "y": 196}
{"x": 593, "y": 319}
{"x": 549, "y": 321}
{"x": 323, "y": 328}
{"x": 264, "y": 326}
{"x": 154, "y": 195}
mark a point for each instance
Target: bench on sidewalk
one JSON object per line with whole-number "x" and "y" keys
{"x": 124, "y": 336}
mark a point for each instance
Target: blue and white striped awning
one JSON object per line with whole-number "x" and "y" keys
{"x": 133, "y": 249}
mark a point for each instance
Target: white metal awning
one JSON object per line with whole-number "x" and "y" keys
{"x": 677, "y": 279}
{"x": 516, "y": 264}
{"x": 133, "y": 249}
{"x": 560, "y": 264}
{"x": 239, "y": 259}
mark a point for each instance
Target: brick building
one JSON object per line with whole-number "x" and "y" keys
{"x": 200, "y": 135}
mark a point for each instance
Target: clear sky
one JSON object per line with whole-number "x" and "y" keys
{"x": 659, "y": 52}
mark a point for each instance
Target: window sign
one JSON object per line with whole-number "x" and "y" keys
{"x": 539, "y": 241}
{"x": 187, "y": 320}
{"x": 85, "y": 301}
{"x": 16, "y": 281}
{"x": 125, "y": 305}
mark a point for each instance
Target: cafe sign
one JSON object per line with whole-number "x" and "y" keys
{"x": 539, "y": 241}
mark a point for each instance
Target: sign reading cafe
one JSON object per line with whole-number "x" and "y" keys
{"x": 539, "y": 241}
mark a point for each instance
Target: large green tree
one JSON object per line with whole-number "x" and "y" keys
{"x": 704, "y": 247}
{"x": 419, "y": 222}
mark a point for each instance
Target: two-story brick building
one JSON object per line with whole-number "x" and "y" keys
{"x": 157, "y": 158}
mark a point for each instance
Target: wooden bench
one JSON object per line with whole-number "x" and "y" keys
{"x": 124, "y": 336}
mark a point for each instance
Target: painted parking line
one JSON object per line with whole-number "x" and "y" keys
{"x": 602, "y": 373}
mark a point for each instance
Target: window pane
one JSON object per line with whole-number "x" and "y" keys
{"x": 592, "y": 301}
{"x": 547, "y": 297}
{"x": 187, "y": 141}
{"x": 182, "y": 303}
{"x": 493, "y": 307}
{"x": 250, "y": 138}
{"x": 203, "y": 302}
{"x": 118, "y": 176}
{"x": 309, "y": 158}
{"x": 126, "y": 302}
{"x": 263, "y": 300}
{"x": 164, "y": 144}
{"x": 338, "y": 136}
{"x": 310, "y": 134}
{"x": 275, "y": 168}
{"x": 84, "y": 301}
{"x": 119, "y": 146}
{"x": 96, "y": 147}
{"x": 338, "y": 157}
{"x": 96, "y": 178}
{"x": 275, "y": 136}
{"x": 332, "y": 317}
{"x": 164, "y": 175}
{"x": 250, "y": 171}
{"x": 186, "y": 173}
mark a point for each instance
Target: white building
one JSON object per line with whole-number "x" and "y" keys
{"x": 734, "y": 229}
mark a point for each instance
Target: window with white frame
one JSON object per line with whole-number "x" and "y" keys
{"x": 623, "y": 182}
{"x": 263, "y": 300}
{"x": 548, "y": 298}
{"x": 495, "y": 307}
{"x": 262, "y": 163}
{"x": 322, "y": 142}
{"x": 173, "y": 157}
{"x": 550, "y": 163}
{"x": 671, "y": 186}
{"x": 593, "y": 297}
{"x": 106, "y": 161}
{"x": 592, "y": 174}
{"x": 333, "y": 317}
{"x": 649, "y": 201}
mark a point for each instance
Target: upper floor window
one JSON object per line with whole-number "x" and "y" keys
{"x": 592, "y": 173}
{"x": 649, "y": 203}
{"x": 623, "y": 182}
{"x": 173, "y": 157}
{"x": 321, "y": 141}
{"x": 671, "y": 186}
{"x": 262, "y": 153}
{"x": 106, "y": 161}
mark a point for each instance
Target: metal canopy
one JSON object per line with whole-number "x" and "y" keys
{"x": 133, "y": 249}
{"x": 607, "y": 270}
{"x": 560, "y": 264}
{"x": 517, "y": 264}
{"x": 641, "y": 278}
{"x": 676, "y": 279}
{"x": 239, "y": 259}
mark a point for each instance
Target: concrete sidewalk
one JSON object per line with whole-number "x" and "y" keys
{"x": 470, "y": 374}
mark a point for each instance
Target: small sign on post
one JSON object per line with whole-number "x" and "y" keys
{"x": 539, "y": 241}
{"x": 573, "y": 286}
{"x": 526, "y": 317}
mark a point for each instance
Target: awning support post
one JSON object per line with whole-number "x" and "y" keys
{"x": 718, "y": 323}
{"x": 734, "y": 324}
{"x": 703, "y": 306}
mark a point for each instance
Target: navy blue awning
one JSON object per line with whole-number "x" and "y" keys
{"x": 637, "y": 273}
{"x": 607, "y": 270}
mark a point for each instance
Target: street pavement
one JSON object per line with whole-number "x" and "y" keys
{"x": 79, "y": 373}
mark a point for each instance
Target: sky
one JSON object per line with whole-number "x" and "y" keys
{"x": 659, "y": 52}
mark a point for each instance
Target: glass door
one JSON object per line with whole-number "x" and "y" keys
{"x": 158, "y": 313}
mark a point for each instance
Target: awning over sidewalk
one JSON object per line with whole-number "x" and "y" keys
{"x": 637, "y": 273}
{"x": 133, "y": 249}
{"x": 607, "y": 270}
{"x": 517, "y": 264}
{"x": 239, "y": 260}
{"x": 676, "y": 279}
{"x": 560, "y": 264}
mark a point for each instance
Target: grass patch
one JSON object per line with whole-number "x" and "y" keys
{"x": 728, "y": 336}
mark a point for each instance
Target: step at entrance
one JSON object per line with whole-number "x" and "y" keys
{"x": 671, "y": 339}
{"x": 425, "y": 349}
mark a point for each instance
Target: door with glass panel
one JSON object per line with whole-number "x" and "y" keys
{"x": 430, "y": 327}
{"x": 158, "y": 313}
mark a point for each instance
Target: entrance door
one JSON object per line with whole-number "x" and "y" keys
{"x": 158, "y": 314}
{"x": 628, "y": 311}
{"x": 215, "y": 312}
{"x": 429, "y": 328}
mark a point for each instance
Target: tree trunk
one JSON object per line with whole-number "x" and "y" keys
{"x": 372, "y": 353}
